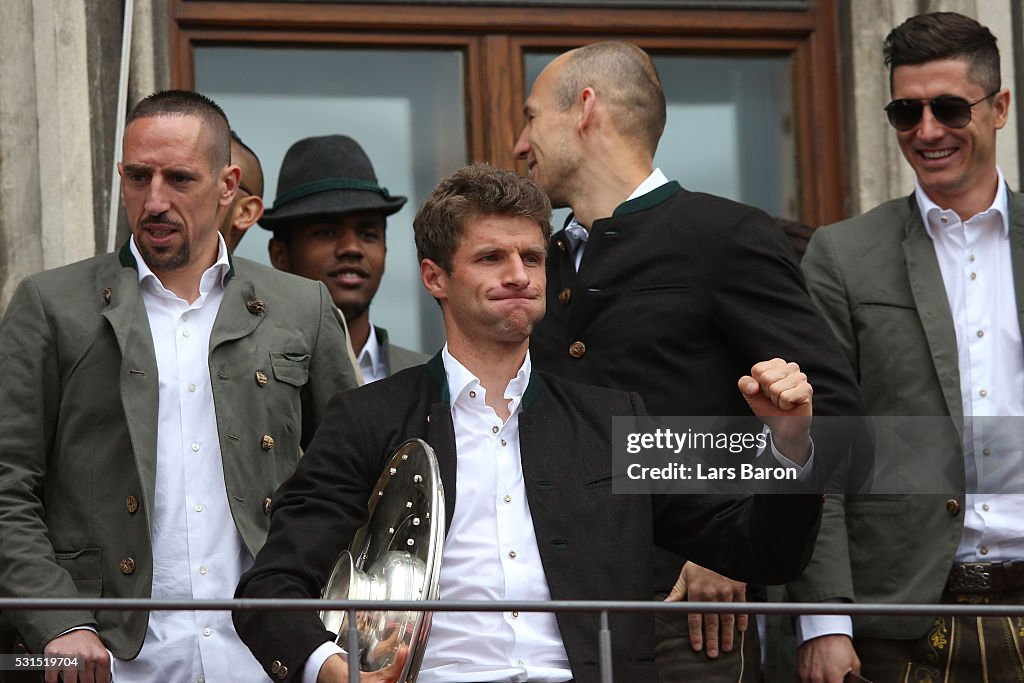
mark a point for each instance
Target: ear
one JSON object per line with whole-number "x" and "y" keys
{"x": 229, "y": 177}
{"x": 434, "y": 279}
{"x": 279, "y": 257}
{"x": 588, "y": 110}
{"x": 248, "y": 212}
{"x": 1001, "y": 107}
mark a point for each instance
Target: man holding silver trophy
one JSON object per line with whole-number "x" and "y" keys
{"x": 525, "y": 462}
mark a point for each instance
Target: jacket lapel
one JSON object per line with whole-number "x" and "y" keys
{"x": 126, "y": 314}
{"x": 240, "y": 313}
{"x": 441, "y": 434}
{"x": 933, "y": 309}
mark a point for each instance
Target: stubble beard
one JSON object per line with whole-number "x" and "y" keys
{"x": 167, "y": 259}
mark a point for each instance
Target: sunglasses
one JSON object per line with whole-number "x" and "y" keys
{"x": 948, "y": 110}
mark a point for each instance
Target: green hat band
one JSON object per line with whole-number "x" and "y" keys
{"x": 329, "y": 184}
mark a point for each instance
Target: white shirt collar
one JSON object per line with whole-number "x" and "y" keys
{"x": 931, "y": 212}
{"x": 370, "y": 358}
{"x": 461, "y": 380}
{"x": 651, "y": 183}
{"x": 215, "y": 274}
{"x": 577, "y": 232}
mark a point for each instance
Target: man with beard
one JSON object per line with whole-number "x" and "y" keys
{"x": 152, "y": 401}
{"x": 329, "y": 221}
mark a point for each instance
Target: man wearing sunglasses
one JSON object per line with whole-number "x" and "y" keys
{"x": 921, "y": 294}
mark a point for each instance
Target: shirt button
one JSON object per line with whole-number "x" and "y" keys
{"x": 504, "y": 443}
{"x": 515, "y": 615}
{"x": 974, "y": 276}
{"x": 507, "y": 498}
{"x": 207, "y": 632}
{"x": 201, "y": 679}
{"x": 985, "y": 507}
{"x": 192, "y": 388}
{"x": 577, "y": 349}
{"x": 195, "y": 448}
{"x": 981, "y": 333}
{"x": 983, "y": 550}
{"x": 944, "y": 219}
{"x": 986, "y": 451}
{"x": 971, "y": 258}
{"x": 203, "y": 569}
{"x": 494, "y": 429}
{"x": 199, "y": 507}
{"x": 186, "y": 334}
{"x": 565, "y": 296}
{"x": 983, "y": 393}
{"x": 512, "y": 554}
{"x": 472, "y": 394}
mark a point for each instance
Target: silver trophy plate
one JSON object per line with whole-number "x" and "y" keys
{"x": 396, "y": 556}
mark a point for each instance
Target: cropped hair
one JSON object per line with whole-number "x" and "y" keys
{"x": 259, "y": 167}
{"x": 624, "y": 76}
{"x": 190, "y": 103}
{"x": 474, "y": 191}
{"x": 945, "y": 35}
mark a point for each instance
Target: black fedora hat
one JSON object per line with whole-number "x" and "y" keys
{"x": 327, "y": 175}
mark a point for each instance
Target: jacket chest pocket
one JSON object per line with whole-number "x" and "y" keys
{"x": 291, "y": 368}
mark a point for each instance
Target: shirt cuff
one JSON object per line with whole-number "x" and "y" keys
{"x": 803, "y": 472}
{"x": 316, "y": 661}
{"x": 817, "y": 625}
{"x": 110, "y": 655}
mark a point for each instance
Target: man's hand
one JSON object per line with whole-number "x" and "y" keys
{"x": 779, "y": 394}
{"x": 697, "y": 584}
{"x": 335, "y": 670}
{"x": 92, "y": 657}
{"x": 826, "y": 659}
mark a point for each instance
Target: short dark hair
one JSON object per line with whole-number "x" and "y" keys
{"x": 190, "y": 103}
{"x": 625, "y": 77}
{"x": 474, "y": 191}
{"x": 259, "y": 167}
{"x": 945, "y": 35}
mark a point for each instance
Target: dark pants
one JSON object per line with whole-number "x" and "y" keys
{"x": 678, "y": 663}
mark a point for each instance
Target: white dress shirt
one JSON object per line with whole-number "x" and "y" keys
{"x": 371, "y": 361}
{"x": 977, "y": 273}
{"x": 197, "y": 551}
{"x": 578, "y": 235}
{"x": 490, "y": 553}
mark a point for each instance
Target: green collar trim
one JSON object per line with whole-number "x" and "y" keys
{"x": 328, "y": 184}
{"x": 127, "y": 259}
{"x": 649, "y": 200}
{"x": 435, "y": 366}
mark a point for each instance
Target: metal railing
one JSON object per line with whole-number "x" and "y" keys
{"x": 604, "y": 607}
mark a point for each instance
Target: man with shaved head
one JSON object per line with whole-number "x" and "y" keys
{"x": 655, "y": 289}
{"x": 247, "y": 207}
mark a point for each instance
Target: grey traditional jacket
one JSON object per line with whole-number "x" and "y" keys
{"x": 876, "y": 279}
{"x": 78, "y": 427}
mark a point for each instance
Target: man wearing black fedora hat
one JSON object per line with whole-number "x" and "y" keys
{"x": 329, "y": 220}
